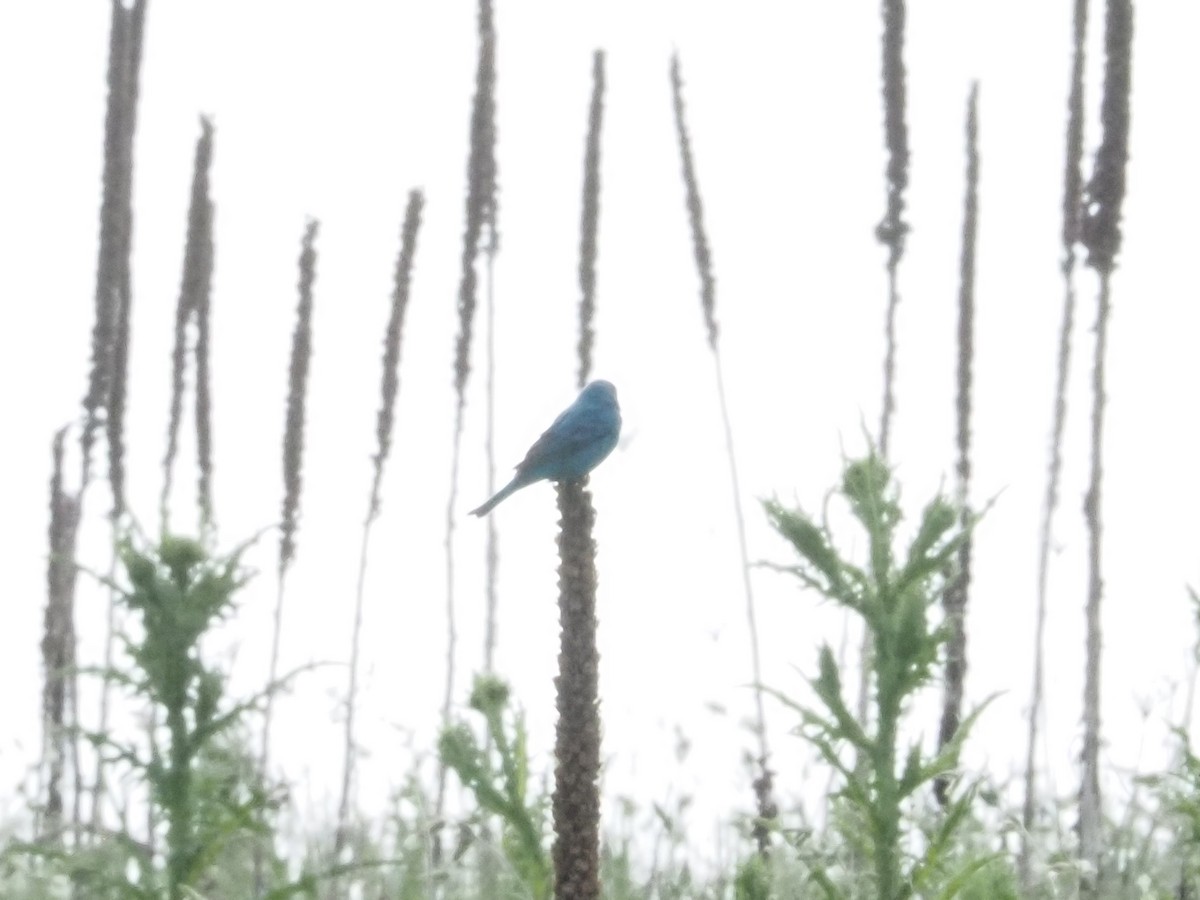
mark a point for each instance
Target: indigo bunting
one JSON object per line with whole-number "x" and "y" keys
{"x": 578, "y": 441}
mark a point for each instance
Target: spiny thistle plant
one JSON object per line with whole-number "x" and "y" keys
{"x": 208, "y": 809}
{"x": 497, "y": 774}
{"x": 201, "y": 786}
{"x": 894, "y": 595}
{"x": 176, "y": 594}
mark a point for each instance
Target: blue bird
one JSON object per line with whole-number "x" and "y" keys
{"x": 578, "y": 441}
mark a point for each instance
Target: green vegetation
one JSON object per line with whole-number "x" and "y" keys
{"x": 497, "y": 773}
{"x": 206, "y": 799}
{"x": 884, "y": 835}
{"x": 894, "y": 595}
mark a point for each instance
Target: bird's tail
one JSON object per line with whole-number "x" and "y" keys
{"x": 500, "y": 495}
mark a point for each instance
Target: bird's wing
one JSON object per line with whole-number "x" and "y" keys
{"x": 571, "y": 431}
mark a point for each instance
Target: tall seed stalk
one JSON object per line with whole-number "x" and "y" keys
{"x": 204, "y": 449}
{"x": 1100, "y": 233}
{"x": 389, "y": 388}
{"x": 954, "y": 600}
{"x": 1072, "y": 209}
{"x": 110, "y": 333}
{"x": 763, "y": 790}
{"x": 194, "y": 292}
{"x": 116, "y": 211}
{"x": 293, "y": 458}
{"x": 891, "y": 232}
{"x": 576, "y": 801}
{"x": 589, "y": 224}
{"x": 480, "y": 211}
{"x": 893, "y": 229}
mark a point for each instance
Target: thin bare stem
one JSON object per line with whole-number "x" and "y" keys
{"x": 1101, "y": 235}
{"x": 1072, "y": 207}
{"x": 763, "y": 784}
{"x": 1090, "y": 804}
{"x": 58, "y": 640}
{"x": 349, "y": 750}
{"x": 492, "y": 560}
{"x": 389, "y": 389}
{"x": 481, "y": 207}
{"x": 1193, "y": 667}
{"x": 293, "y": 459}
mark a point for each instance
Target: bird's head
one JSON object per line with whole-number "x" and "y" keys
{"x": 599, "y": 393}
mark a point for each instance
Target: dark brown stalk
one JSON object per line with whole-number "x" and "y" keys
{"x": 954, "y": 601}
{"x": 589, "y": 226}
{"x": 892, "y": 231}
{"x": 119, "y": 359}
{"x": 576, "y": 803}
{"x": 1100, "y": 227}
{"x": 480, "y": 213}
{"x": 389, "y": 388}
{"x": 193, "y": 294}
{"x": 203, "y": 300}
{"x": 293, "y": 456}
{"x": 390, "y": 383}
{"x": 110, "y": 238}
{"x": 695, "y": 208}
{"x": 1072, "y": 209}
{"x": 110, "y": 338}
{"x": 116, "y": 213}
{"x": 763, "y": 784}
{"x": 58, "y": 642}
{"x": 293, "y": 435}
{"x": 1101, "y": 236}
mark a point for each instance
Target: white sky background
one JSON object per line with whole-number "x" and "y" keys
{"x": 336, "y": 111}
